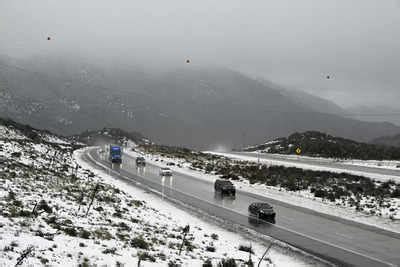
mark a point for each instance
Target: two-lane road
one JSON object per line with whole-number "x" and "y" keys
{"x": 333, "y": 239}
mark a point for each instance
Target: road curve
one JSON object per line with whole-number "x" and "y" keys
{"x": 346, "y": 244}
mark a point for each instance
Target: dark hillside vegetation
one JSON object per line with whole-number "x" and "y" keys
{"x": 393, "y": 140}
{"x": 176, "y": 152}
{"x": 318, "y": 144}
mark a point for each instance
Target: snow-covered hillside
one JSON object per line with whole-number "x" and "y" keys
{"x": 53, "y": 210}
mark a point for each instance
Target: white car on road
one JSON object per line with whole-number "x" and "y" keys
{"x": 165, "y": 172}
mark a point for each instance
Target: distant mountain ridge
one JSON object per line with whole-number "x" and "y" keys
{"x": 375, "y": 113}
{"x": 192, "y": 106}
{"x": 317, "y": 144}
{"x": 393, "y": 140}
{"x": 307, "y": 100}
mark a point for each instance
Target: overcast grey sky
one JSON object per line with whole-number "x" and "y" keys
{"x": 291, "y": 42}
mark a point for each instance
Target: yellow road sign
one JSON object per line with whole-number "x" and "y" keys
{"x": 298, "y": 150}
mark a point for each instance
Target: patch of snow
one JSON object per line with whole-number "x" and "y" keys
{"x": 383, "y": 164}
{"x": 54, "y": 139}
{"x": 10, "y": 133}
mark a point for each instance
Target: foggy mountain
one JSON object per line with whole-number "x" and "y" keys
{"x": 192, "y": 106}
{"x": 375, "y": 113}
{"x": 307, "y": 100}
{"x": 393, "y": 140}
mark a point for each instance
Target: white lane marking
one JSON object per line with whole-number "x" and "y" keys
{"x": 343, "y": 235}
{"x": 280, "y": 227}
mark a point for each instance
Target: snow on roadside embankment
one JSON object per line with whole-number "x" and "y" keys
{"x": 313, "y": 167}
{"x": 381, "y": 164}
{"x": 227, "y": 243}
{"x": 44, "y": 200}
{"x": 301, "y": 198}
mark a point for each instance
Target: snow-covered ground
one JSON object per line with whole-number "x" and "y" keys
{"x": 46, "y": 191}
{"x": 302, "y": 199}
{"x": 309, "y": 166}
{"x": 10, "y": 133}
{"x": 383, "y": 164}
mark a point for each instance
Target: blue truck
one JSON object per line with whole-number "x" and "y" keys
{"x": 115, "y": 154}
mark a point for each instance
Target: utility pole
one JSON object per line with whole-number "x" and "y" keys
{"x": 185, "y": 231}
{"x": 265, "y": 253}
{"x": 243, "y": 139}
{"x": 250, "y": 262}
{"x": 97, "y": 187}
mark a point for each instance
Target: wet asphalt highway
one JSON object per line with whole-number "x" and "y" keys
{"x": 333, "y": 239}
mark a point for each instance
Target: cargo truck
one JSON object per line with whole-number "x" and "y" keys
{"x": 115, "y": 154}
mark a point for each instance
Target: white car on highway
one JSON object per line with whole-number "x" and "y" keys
{"x": 165, "y": 172}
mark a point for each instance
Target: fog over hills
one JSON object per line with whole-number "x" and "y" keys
{"x": 375, "y": 113}
{"x": 388, "y": 140}
{"x": 191, "y": 105}
{"x": 307, "y": 100}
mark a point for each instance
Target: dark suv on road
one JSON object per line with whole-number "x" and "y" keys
{"x": 225, "y": 187}
{"x": 140, "y": 161}
{"x": 262, "y": 211}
